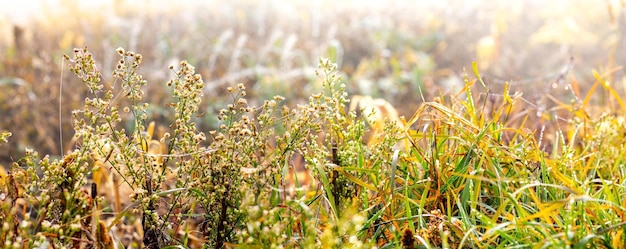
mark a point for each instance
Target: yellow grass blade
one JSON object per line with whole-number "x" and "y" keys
{"x": 356, "y": 180}
{"x": 475, "y": 69}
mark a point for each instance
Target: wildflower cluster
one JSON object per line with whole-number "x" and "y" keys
{"x": 188, "y": 90}
{"x": 240, "y": 160}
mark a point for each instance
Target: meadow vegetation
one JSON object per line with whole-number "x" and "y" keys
{"x": 254, "y": 147}
{"x": 456, "y": 174}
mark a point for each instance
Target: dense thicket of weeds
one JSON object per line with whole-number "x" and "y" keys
{"x": 458, "y": 174}
{"x": 182, "y": 190}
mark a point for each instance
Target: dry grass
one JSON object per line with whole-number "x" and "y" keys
{"x": 395, "y": 51}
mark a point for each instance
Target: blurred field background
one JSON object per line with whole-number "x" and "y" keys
{"x": 401, "y": 51}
